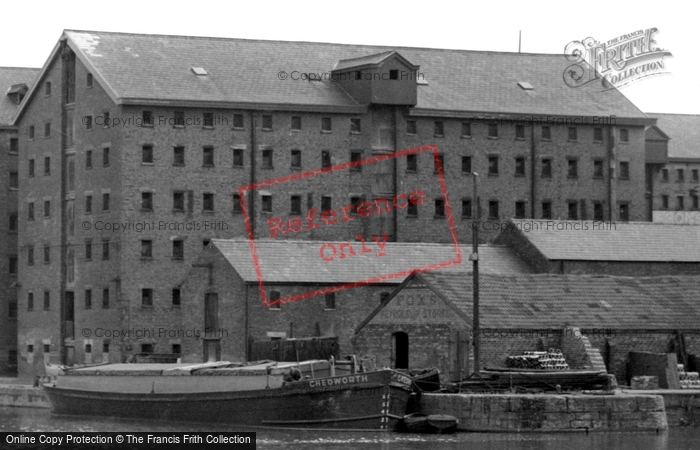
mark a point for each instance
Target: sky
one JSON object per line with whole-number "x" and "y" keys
{"x": 546, "y": 27}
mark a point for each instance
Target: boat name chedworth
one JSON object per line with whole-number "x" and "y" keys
{"x": 336, "y": 381}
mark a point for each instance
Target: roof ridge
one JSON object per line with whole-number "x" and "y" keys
{"x": 652, "y": 114}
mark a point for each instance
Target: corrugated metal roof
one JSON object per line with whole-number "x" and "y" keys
{"x": 10, "y": 76}
{"x": 293, "y": 261}
{"x": 684, "y": 131}
{"x": 157, "y": 68}
{"x": 555, "y": 301}
{"x": 603, "y": 241}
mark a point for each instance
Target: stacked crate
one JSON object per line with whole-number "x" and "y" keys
{"x": 550, "y": 360}
{"x": 689, "y": 380}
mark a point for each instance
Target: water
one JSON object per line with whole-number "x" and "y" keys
{"x": 29, "y": 419}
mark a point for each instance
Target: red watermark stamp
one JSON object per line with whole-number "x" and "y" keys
{"x": 354, "y": 218}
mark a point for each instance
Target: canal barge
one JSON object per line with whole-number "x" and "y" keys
{"x": 309, "y": 394}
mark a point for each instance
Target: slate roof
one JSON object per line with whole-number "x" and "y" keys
{"x": 138, "y": 69}
{"x": 684, "y": 131}
{"x": 621, "y": 241}
{"x": 293, "y": 261}
{"x": 555, "y": 301}
{"x": 10, "y": 76}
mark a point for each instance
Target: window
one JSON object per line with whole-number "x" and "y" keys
{"x": 680, "y": 175}
{"x": 14, "y": 180}
{"x": 14, "y": 145}
{"x": 296, "y": 159}
{"x": 624, "y": 212}
{"x": 106, "y": 122}
{"x": 572, "y": 168}
{"x": 520, "y": 209}
{"x": 105, "y": 156}
{"x": 147, "y": 348}
{"x": 178, "y": 249}
{"x": 105, "y": 249}
{"x": 493, "y": 130}
{"x": 326, "y": 124}
{"x": 519, "y": 132}
{"x": 696, "y": 201}
{"x": 237, "y": 157}
{"x": 466, "y": 129}
{"x": 105, "y": 298}
{"x": 88, "y": 348}
{"x": 30, "y": 256}
{"x": 598, "y": 168}
{"x": 466, "y": 164}
{"x": 12, "y": 265}
{"x": 87, "y": 120}
{"x": 467, "y": 208}
{"x": 47, "y": 129}
{"x": 147, "y": 154}
{"x": 355, "y": 126}
{"x": 296, "y": 123}
{"x": 356, "y": 157}
{"x": 30, "y": 168}
{"x": 411, "y": 163}
{"x": 178, "y": 201}
{"x": 355, "y": 201}
{"x": 573, "y": 134}
{"x": 208, "y": 202}
{"x": 325, "y": 158}
{"x": 695, "y": 175}
{"x": 176, "y": 298}
{"x": 178, "y": 119}
{"x": 267, "y": 122}
{"x": 146, "y": 297}
{"x": 105, "y": 202}
{"x": 208, "y": 156}
{"x": 12, "y": 310}
{"x": 176, "y": 349}
{"x": 546, "y": 133}
{"x": 30, "y": 348}
{"x": 547, "y": 210}
{"x": 146, "y": 201}
{"x": 205, "y": 243}
{"x": 680, "y": 203}
{"x": 573, "y": 210}
{"x": 330, "y": 300}
{"x": 30, "y": 132}
{"x": 493, "y": 209}
{"x": 88, "y": 204}
{"x": 597, "y": 135}
{"x": 208, "y": 120}
{"x": 13, "y": 222}
{"x": 393, "y": 74}
{"x": 30, "y": 211}
{"x": 598, "y": 212}
{"x": 238, "y": 122}
{"x": 88, "y": 250}
{"x": 47, "y": 88}
{"x": 47, "y": 300}
{"x": 411, "y": 127}
{"x": 412, "y": 210}
{"x": 88, "y": 299}
{"x": 47, "y": 254}
{"x": 520, "y": 166}
{"x": 546, "y": 168}
{"x": 237, "y": 207}
{"x": 89, "y": 80}
{"x": 664, "y": 201}
{"x": 146, "y": 249}
{"x": 439, "y": 163}
{"x": 326, "y": 203}
{"x": 624, "y": 170}
{"x": 30, "y": 301}
{"x": 295, "y": 209}
{"x": 439, "y": 208}
{"x": 47, "y": 165}
{"x": 105, "y": 346}
{"x": 493, "y": 165}
{"x": 267, "y": 159}
{"x": 178, "y": 155}
{"x": 267, "y": 203}
{"x": 88, "y": 159}
{"x": 439, "y": 129}
{"x": 47, "y": 208}
{"x": 274, "y": 297}
{"x": 358, "y": 75}
{"x": 624, "y": 135}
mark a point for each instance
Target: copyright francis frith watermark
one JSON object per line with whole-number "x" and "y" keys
{"x": 617, "y": 62}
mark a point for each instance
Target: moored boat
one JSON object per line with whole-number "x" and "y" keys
{"x": 255, "y": 395}
{"x": 429, "y": 423}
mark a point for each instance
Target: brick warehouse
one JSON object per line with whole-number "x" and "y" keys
{"x": 139, "y": 130}
{"x": 14, "y": 83}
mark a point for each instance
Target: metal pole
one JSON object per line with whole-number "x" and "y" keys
{"x": 475, "y": 273}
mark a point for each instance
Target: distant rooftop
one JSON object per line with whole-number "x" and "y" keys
{"x": 684, "y": 131}
{"x": 9, "y": 77}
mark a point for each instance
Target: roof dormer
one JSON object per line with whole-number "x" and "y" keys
{"x": 384, "y": 78}
{"x": 16, "y": 92}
